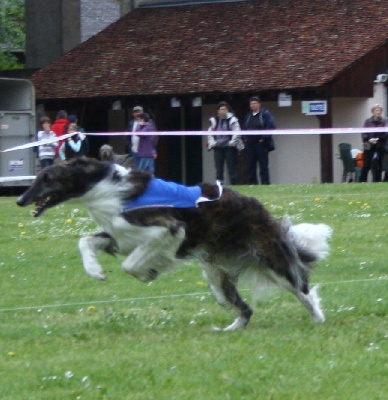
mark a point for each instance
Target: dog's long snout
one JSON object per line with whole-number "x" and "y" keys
{"x": 22, "y": 200}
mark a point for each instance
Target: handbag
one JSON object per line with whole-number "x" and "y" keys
{"x": 270, "y": 144}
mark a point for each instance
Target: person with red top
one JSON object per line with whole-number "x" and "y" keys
{"x": 60, "y": 126}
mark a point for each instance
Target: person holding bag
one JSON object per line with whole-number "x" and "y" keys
{"x": 257, "y": 147}
{"x": 224, "y": 144}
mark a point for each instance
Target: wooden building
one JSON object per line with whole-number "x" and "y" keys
{"x": 204, "y": 53}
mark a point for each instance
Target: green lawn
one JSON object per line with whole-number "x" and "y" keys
{"x": 66, "y": 336}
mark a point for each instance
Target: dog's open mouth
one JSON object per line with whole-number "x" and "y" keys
{"x": 43, "y": 203}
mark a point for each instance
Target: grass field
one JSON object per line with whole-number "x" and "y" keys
{"x": 65, "y": 336}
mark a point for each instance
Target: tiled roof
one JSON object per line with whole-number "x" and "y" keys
{"x": 227, "y": 47}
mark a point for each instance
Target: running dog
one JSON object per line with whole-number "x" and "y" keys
{"x": 156, "y": 224}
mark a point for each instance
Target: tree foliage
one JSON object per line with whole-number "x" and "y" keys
{"x": 12, "y": 32}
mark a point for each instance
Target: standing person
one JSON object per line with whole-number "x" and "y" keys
{"x": 373, "y": 143}
{"x": 133, "y": 140}
{"x": 257, "y": 147}
{"x": 71, "y": 147}
{"x": 225, "y": 146}
{"x": 84, "y": 150}
{"x": 46, "y": 152}
{"x": 59, "y": 126}
{"x": 146, "y": 151}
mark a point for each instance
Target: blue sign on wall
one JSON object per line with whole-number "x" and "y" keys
{"x": 316, "y": 107}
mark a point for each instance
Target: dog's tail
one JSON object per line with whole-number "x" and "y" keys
{"x": 311, "y": 240}
{"x": 311, "y": 243}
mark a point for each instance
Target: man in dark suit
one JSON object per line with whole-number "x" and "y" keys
{"x": 258, "y": 146}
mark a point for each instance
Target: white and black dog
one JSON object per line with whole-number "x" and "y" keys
{"x": 156, "y": 224}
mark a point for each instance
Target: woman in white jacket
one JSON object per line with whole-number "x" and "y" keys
{"x": 225, "y": 145}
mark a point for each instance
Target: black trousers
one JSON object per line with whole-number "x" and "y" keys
{"x": 226, "y": 155}
{"x": 257, "y": 153}
{"x": 372, "y": 164}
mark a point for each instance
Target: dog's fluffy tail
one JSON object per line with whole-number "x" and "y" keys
{"x": 311, "y": 240}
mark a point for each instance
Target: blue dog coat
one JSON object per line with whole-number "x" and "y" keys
{"x": 160, "y": 193}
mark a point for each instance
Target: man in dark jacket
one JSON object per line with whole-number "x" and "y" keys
{"x": 257, "y": 147}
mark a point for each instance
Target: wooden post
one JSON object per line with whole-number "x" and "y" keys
{"x": 326, "y": 146}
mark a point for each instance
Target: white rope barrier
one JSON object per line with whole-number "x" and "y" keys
{"x": 309, "y": 131}
{"x": 276, "y": 132}
{"x": 38, "y": 143}
{"x": 21, "y": 178}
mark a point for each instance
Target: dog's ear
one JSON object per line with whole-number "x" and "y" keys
{"x": 88, "y": 170}
{"x": 78, "y": 162}
{"x": 85, "y": 164}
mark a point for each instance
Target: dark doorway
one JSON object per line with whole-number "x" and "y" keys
{"x": 193, "y": 146}
{"x": 180, "y": 157}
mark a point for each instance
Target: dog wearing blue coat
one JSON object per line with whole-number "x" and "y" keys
{"x": 157, "y": 224}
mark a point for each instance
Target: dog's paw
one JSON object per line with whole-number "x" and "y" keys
{"x": 95, "y": 271}
{"x": 239, "y": 323}
{"x": 146, "y": 276}
{"x": 100, "y": 277}
{"x": 317, "y": 312}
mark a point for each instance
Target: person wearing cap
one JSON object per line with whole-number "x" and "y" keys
{"x": 73, "y": 119}
{"x": 133, "y": 140}
{"x": 257, "y": 147}
{"x": 84, "y": 150}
